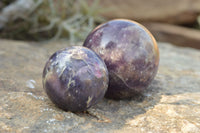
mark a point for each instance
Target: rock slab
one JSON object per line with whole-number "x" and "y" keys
{"x": 171, "y": 103}
{"x": 170, "y": 11}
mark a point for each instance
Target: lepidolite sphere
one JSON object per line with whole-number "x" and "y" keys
{"x": 75, "y": 78}
{"x": 131, "y": 54}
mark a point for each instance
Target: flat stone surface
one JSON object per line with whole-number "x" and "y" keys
{"x": 171, "y": 104}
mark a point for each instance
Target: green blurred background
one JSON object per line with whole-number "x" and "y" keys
{"x": 72, "y": 20}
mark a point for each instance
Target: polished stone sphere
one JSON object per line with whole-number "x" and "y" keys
{"x": 75, "y": 78}
{"x": 131, "y": 54}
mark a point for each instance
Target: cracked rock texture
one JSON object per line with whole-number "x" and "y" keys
{"x": 171, "y": 104}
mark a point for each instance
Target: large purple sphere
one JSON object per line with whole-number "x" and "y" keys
{"x": 75, "y": 78}
{"x": 130, "y": 53}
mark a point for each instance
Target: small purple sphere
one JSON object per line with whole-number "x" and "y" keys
{"x": 75, "y": 78}
{"x": 131, "y": 54}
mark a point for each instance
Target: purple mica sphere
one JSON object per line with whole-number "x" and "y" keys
{"x": 131, "y": 54}
{"x": 75, "y": 78}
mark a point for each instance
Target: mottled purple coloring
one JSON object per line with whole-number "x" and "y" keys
{"x": 75, "y": 78}
{"x": 130, "y": 53}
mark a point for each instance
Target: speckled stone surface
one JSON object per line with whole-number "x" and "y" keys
{"x": 171, "y": 104}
